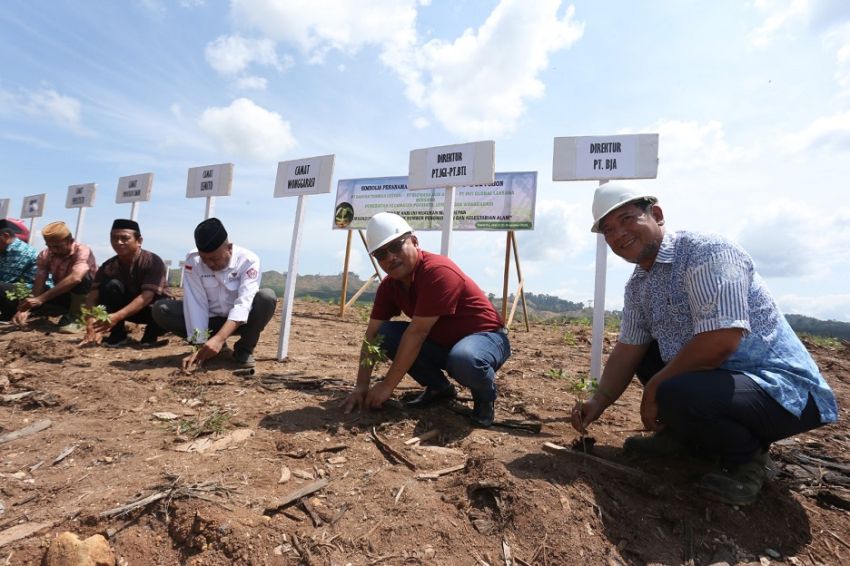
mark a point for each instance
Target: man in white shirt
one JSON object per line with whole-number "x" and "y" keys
{"x": 221, "y": 297}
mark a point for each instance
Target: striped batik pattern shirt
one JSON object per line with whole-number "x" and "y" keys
{"x": 702, "y": 282}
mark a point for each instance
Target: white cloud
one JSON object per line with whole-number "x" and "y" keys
{"x": 793, "y": 239}
{"x": 476, "y": 85}
{"x": 421, "y": 123}
{"x": 248, "y": 130}
{"x": 479, "y": 84}
{"x": 46, "y": 104}
{"x": 342, "y": 25}
{"x": 687, "y": 145}
{"x": 230, "y": 55}
{"x": 560, "y": 232}
{"x": 779, "y": 20}
{"x": 826, "y": 131}
{"x": 251, "y": 83}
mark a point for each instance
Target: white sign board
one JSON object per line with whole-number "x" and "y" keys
{"x": 210, "y": 181}
{"x": 505, "y": 204}
{"x": 80, "y": 196}
{"x": 4, "y": 207}
{"x": 452, "y": 165}
{"x": 134, "y": 188}
{"x": 632, "y": 156}
{"x": 310, "y": 176}
{"x": 33, "y": 206}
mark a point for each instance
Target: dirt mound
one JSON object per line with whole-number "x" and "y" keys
{"x": 305, "y": 484}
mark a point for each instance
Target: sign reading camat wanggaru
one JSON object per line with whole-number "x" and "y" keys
{"x": 506, "y": 204}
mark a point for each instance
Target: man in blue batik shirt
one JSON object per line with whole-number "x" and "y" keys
{"x": 723, "y": 372}
{"x": 17, "y": 264}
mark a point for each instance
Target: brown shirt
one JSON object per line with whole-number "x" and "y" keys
{"x": 147, "y": 272}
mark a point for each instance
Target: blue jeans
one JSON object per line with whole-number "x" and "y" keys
{"x": 472, "y": 362}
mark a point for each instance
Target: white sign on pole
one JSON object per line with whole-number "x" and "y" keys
{"x": 4, "y": 207}
{"x": 134, "y": 188}
{"x": 603, "y": 158}
{"x": 452, "y": 165}
{"x": 311, "y": 176}
{"x": 300, "y": 177}
{"x": 583, "y": 158}
{"x": 80, "y": 196}
{"x": 448, "y": 166}
{"x": 33, "y": 206}
{"x": 210, "y": 181}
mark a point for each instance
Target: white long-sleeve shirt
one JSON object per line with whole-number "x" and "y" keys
{"x": 228, "y": 292}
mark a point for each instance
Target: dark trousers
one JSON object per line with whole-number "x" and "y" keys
{"x": 8, "y": 307}
{"x": 472, "y": 362}
{"x": 114, "y": 296}
{"x": 168, "y": 313}
{"x": 723, "y": 412}
{"x": 62, "y": 304}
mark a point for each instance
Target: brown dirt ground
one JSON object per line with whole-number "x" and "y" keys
{"x": 544, "y": 508}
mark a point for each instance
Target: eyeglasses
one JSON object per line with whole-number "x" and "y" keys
{"x": 393, "y": 247}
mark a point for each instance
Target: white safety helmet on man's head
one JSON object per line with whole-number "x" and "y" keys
{"x": 609, "y": 197}
{"x": 383, "y": 228}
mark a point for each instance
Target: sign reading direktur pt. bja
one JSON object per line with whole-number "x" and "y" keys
{"x": 584, "y": 158}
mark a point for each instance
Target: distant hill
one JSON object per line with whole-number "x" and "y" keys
{"x": 541, "y": 307}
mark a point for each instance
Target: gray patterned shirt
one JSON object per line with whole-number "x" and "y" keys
{"x": 702, "y": 282}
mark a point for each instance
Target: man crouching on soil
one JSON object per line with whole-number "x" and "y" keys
{"x": 453, "y": 326}
{"x": 724, "y": 375}
{"x": 127, "y": 284}
{"x": 221, "y": 297}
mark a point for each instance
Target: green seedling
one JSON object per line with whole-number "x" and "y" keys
{"x": 18, "y": 292}
{"x": 556, "y": 373}
{"x": 569, "y": 338}
{"x": 215, "y": 423}
{"x": 98, "y": 313}
{"x": 373, "y": 352}
{"x": 582, "y": 387}
{"x": 197, "y": 336}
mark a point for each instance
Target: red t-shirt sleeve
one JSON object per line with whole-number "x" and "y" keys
{"x": 440, "y": 292}
{"x": 384, "y": 307}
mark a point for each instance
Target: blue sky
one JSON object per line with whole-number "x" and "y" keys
{"x": 751, "y": 101}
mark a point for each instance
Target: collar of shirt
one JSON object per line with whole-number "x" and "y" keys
{"x": 666, "y": 253}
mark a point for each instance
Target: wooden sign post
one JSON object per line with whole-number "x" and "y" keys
{"x": 603, "y": 158}
{"x": 210, "y": 181}
{"x": 134, "y": 189}
{"x": 448, "y": 166}
{"x": 32, "y": 208}
{"x": 80, "y": 197}
{"x": 301, "y": 177}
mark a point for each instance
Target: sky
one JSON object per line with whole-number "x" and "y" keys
{"x": 751, "y": 101}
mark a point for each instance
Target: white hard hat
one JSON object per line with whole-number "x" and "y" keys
{"x": 609, "y": 197}
{"x": 385, "y": 227}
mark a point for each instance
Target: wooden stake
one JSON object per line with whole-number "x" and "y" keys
{"x": 344, "y": 296}
{"x": 433, "y": 433}
{"x": 297, "y": 494}
{"x": 552, "y": 447}
{"x": 521, "y": 280}
{"x": 37, "y": 426}
{"x": 505, "y": 280}
{"x": 439, "y": 473}
{"x": 385, "y": 447}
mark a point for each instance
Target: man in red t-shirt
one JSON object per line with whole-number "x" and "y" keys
{"x": 453, "y": 327}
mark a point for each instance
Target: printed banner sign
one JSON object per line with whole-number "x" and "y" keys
{"x": 311, "y": 176}
{"x": 452, "y": 165}
{"x": 584, "y": 158}
{"x": 80, "y": 196}
{"x": 210, "y": 181}
{"x": 134, "y": 188}
{"x": 506, "y": 204}
{"x": 33, "y": 206}
{"x": 4, "y": 207}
